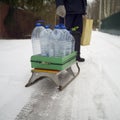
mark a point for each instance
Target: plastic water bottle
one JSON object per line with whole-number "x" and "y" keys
{"x": 56, "y": 37}
{"x": 44, "y": 42}
{"x": 36, "y": 38}
{"x": 64, "y": 43}
{"x": 45, "y": 38}
{"x": 70, "y": 44}
{"x": 68, "y": 41}
{"x": 49, "y": 45}
{"x": 73, "y": 43}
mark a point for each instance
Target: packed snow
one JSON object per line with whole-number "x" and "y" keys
{"x": 93, "y": 95}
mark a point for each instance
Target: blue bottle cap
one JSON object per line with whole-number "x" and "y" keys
{"x": 38, "y": 24}
{"x": 41, "y": 22}
{"x": 47, "y": 26}
{"x": 57, "y": 27}
{"x": 63, "y": 27}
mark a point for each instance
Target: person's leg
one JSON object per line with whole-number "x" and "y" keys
{"x": 78, "y": 21}
{"x": 73, "y": 20}
{"x": 69, "y": 20}
{"x": 76, "y": 36}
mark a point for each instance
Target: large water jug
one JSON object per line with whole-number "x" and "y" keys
{"x": 73, "y": 42}
{"x": 35, "y": 37}
{"x": 68, "y": 41}
{"x": 45, "y": 40}
{"x": 48, "y": 42}
{"x": 56, "y": 38}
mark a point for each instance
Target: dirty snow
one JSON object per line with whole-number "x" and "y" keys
{"x": 93, "y": 95}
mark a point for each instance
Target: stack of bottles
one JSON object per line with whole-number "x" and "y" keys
{"x": 52, "y": 43}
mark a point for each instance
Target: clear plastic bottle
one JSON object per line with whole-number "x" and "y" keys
{"x": 68, "y": 41}
{"x": 56, "y": 38}
{"x": 49, "y": 47}
{"x": 35, "y": 37}
{"x": 71, "y": 44}
{"x": 45, "y": 40}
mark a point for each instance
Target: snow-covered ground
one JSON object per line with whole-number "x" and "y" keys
{"x": 93, "y": 95}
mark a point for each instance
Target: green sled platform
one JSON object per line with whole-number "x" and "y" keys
{"x": 54, "y": 68}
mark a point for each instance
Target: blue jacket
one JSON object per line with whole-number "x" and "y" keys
{"x": 73, "y": 6}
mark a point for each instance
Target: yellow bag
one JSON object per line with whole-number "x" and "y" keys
{"x": 87, "y": 29}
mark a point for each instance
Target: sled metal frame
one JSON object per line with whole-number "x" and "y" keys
{"x": 55, "y": 75}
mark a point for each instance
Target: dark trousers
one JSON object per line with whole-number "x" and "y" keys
{"x": 70, "y": 21}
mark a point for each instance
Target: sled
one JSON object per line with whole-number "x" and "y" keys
{"x": 58, "y": 69}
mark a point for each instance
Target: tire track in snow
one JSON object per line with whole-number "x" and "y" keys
{"x": 101, "y": 115}
{"x": 40, "y": 98}
{"x": 47, "y": 103}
